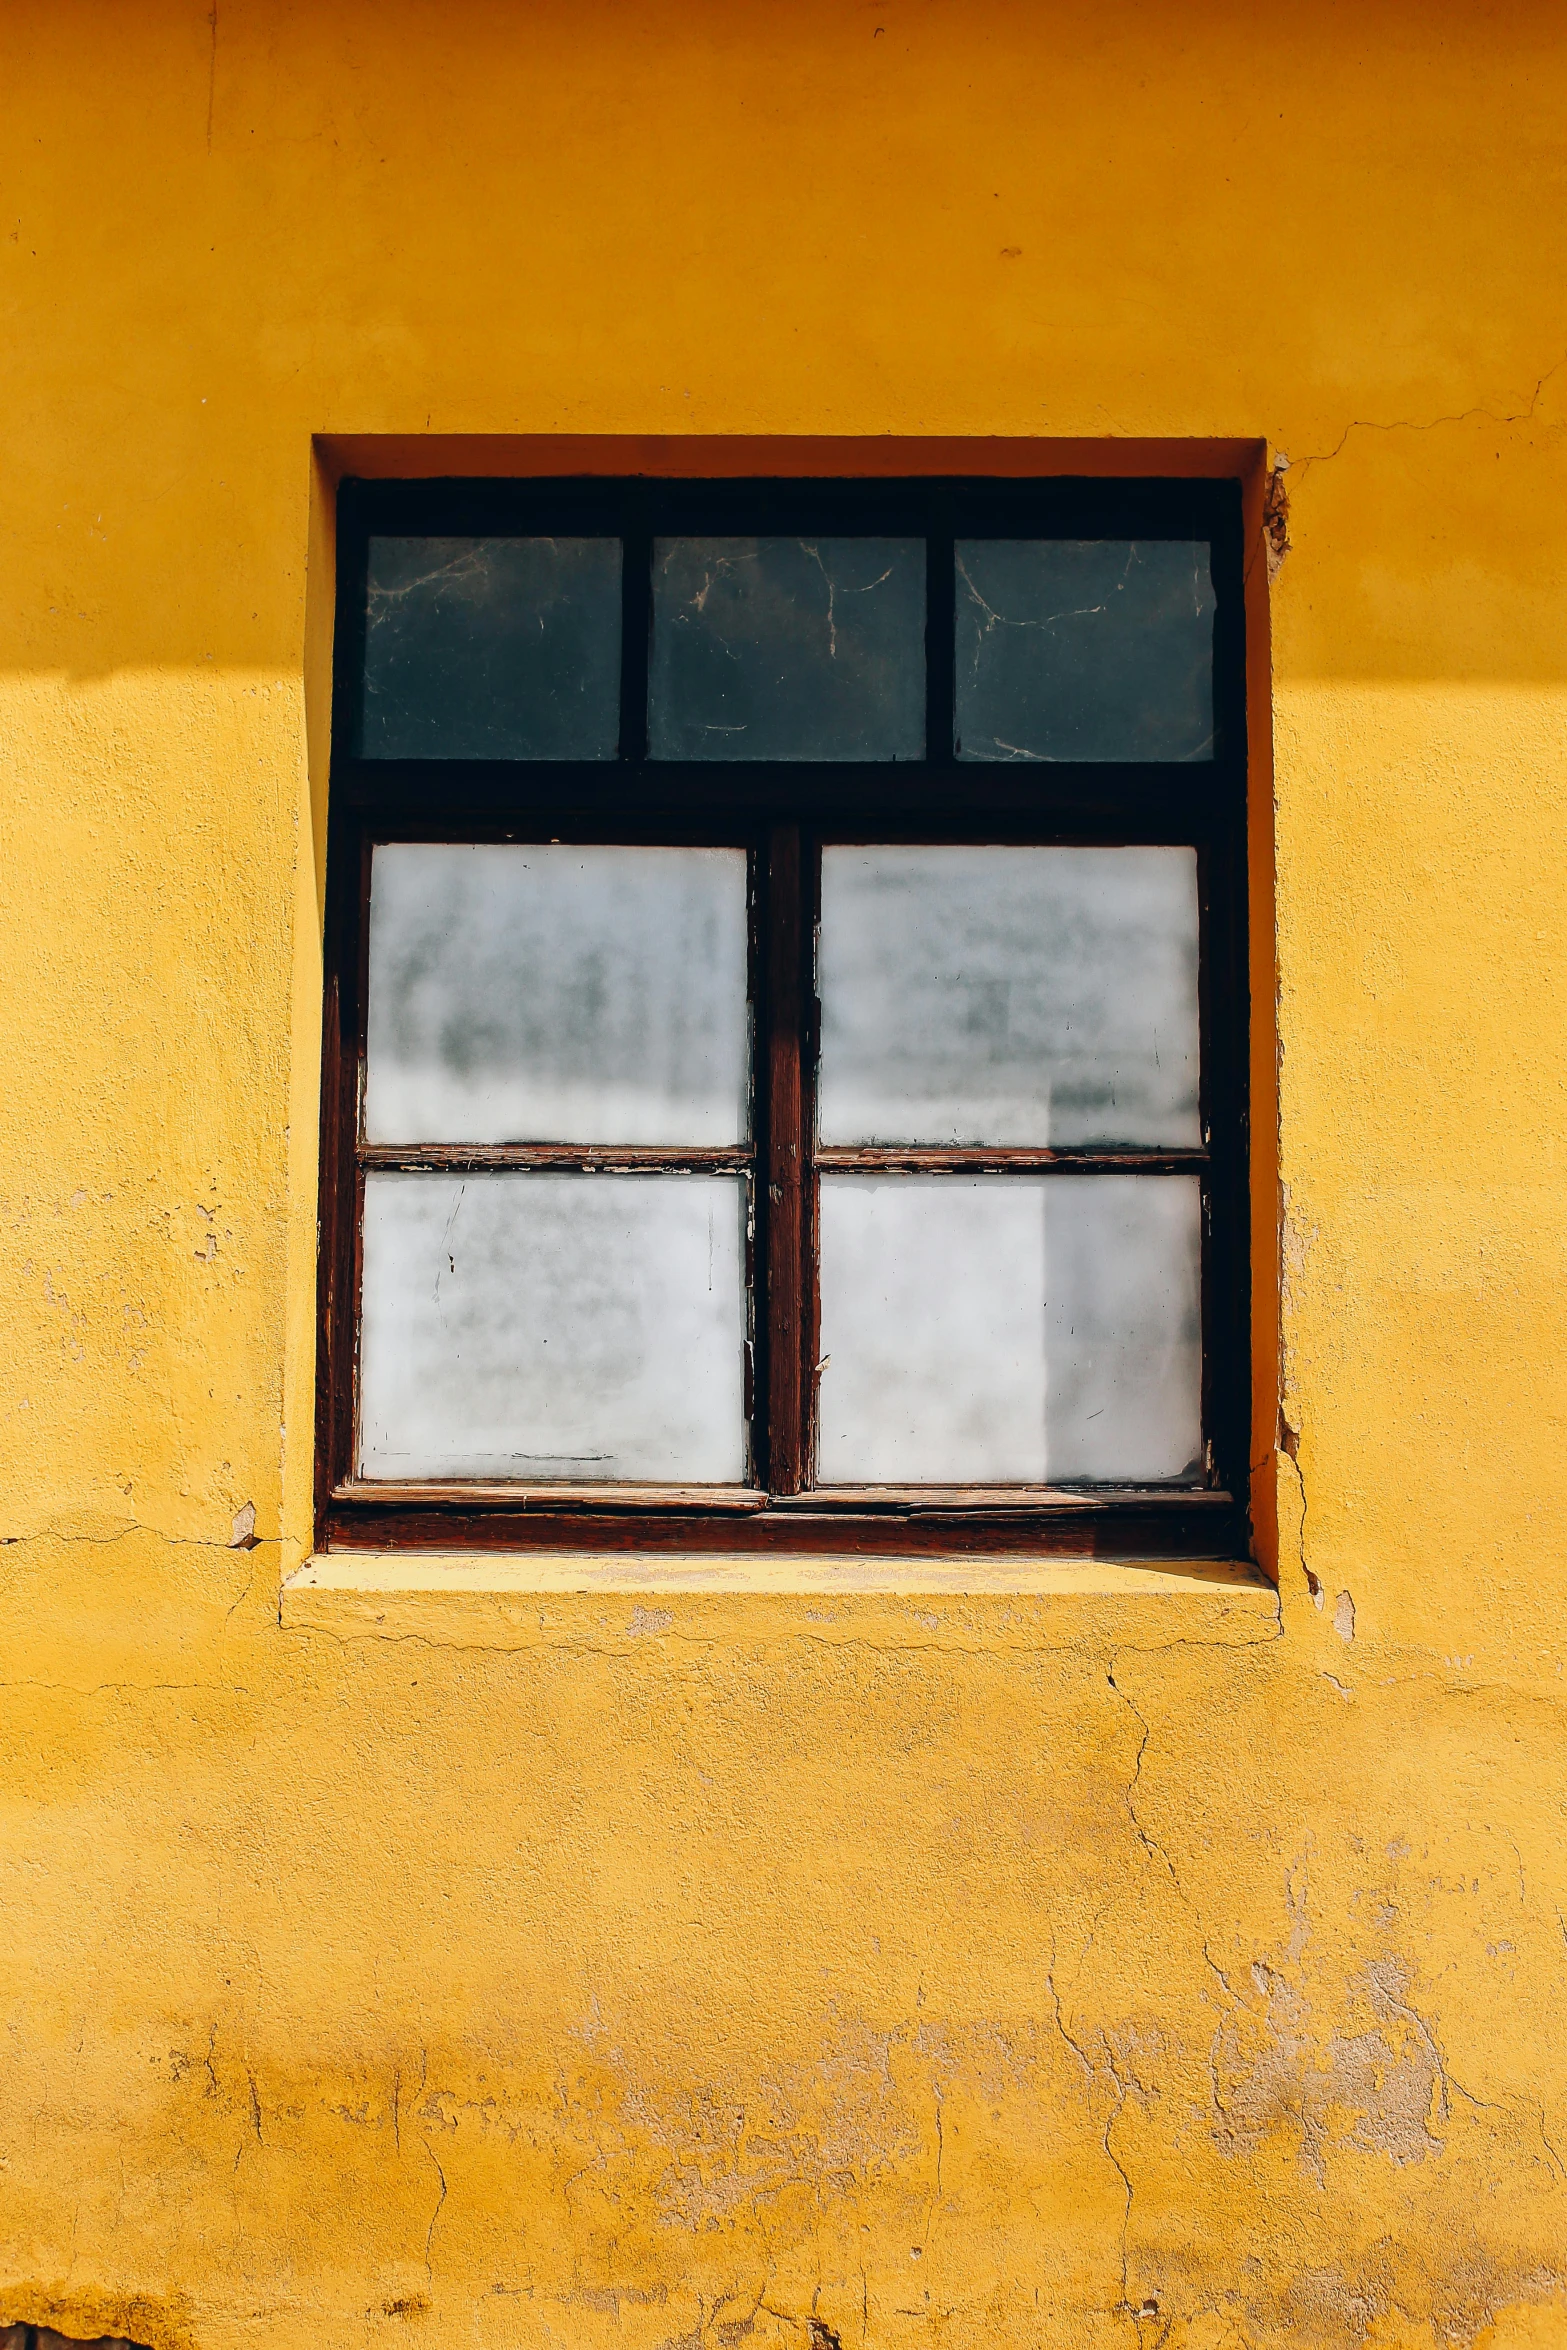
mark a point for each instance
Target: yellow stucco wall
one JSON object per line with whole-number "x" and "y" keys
{"x": 1137, "y": 1963}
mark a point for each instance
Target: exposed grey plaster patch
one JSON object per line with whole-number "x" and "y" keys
{"x": 647, "y": 1622}
{"x": 1392, "y": 2081}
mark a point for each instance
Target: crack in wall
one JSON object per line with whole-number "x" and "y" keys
{"x": 1523, "y": 415}
{"x": 999, "y": 1651}
{"x": 1148, "y": 1842}
{"x": 133, "y": 1526}
{"x": 1091, "y": 2074}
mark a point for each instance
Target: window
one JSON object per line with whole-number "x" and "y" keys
{"x": 786, "y": 1018}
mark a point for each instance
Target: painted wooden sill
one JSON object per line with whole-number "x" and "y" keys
{"x": 485, "y": 1599}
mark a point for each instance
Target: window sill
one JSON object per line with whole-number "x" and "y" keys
{"x": 491, "y": 1599}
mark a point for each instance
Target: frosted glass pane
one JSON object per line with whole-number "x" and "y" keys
{"x": 557, "y": 994}
{"x": 584, "y": 1327}
{"x": 1010, "y": 1329}
{"x": 1084, "y": 649}
{"x": 788, "y": 649}
{"x": 495, "y": 648}
{"x": 932, "y": 1331}
{"x": 1042, "y": 996}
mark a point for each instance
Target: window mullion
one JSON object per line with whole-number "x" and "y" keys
{"x": 786, "y": 1219}
{"x": 938, "y": 651}
{"x": 636, "y": 588}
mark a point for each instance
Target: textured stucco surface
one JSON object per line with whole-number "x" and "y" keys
{"x": 1126, "y": 1966}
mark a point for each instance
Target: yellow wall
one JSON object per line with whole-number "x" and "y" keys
{"x": 1127, "y": 1961}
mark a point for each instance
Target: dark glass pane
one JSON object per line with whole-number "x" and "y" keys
{"x": 1084, "y": 649}
{"x": 492, "y": 649}
{"x": 788, "y": 649}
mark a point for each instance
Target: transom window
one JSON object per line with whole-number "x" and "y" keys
{"x": 785, "y": 1036}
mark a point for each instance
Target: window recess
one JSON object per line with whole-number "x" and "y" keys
{"x": 786, "y": 1028}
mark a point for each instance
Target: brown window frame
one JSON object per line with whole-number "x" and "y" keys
{"x": 782, "y": 815}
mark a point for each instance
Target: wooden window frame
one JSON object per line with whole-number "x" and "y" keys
{"x": 782, "y": 814}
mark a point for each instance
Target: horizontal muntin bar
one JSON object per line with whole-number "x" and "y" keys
{"x": 476, "y": 1493}
{"x": 949, "y": 1500}
{"x": 997, "y": 488}
{"x": 897, "y": 1159}
{"x": 673, "y": 1159}
{"x": 590, "y": 1158}
{"x": 556, "y": 781}
{"x": 952, "y": 1500}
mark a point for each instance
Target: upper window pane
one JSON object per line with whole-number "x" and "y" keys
{"x": 1084, "y": 649}
{"x": 778, "y": 648}
{"x": 1009, "y": 996}
{"x": 494, "y": 648}
{"x": 557, "y": 994}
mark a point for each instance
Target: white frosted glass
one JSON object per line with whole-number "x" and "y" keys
{"x": 523, "y": 993}
{"x": 1010, "y": 1329}
{"x": 932, "y": 1334}
{"x": 1123, "y": 1327}
{"x": 1009, "y": 996}
{"x": 579, "y": 1327}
